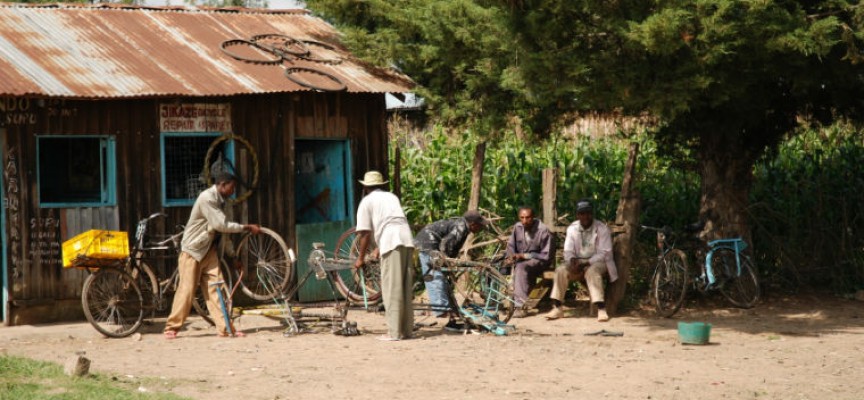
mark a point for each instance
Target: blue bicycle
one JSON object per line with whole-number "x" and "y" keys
{"x": 724, "y": 267}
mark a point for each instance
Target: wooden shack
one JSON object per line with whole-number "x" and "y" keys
{"x": 107, "y": 114}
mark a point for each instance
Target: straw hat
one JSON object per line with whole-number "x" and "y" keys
{"x": 373, "y": 178}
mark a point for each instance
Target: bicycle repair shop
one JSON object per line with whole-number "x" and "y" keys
{"x": 108, "y": 113}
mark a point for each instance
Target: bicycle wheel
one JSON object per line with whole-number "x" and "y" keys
{"x": 112, "y": 302}
{"x": 352, "y": 288}
{"x": 244, "y": 189}
{"x": 145, "y": 278}
{"x": 740, "y": 288}
{"x": 199, "y": 304}
{"x": 266, "y": 265}
{"x": 669, "y": 285}
{"x": 484, "y": 296}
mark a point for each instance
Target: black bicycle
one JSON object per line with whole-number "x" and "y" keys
{"x": 120, "y": 294}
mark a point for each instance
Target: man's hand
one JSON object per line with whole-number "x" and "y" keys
{"x": 577, "y": 268}
{"x": 359, "y": 263}
{"x": 253, "y": 228}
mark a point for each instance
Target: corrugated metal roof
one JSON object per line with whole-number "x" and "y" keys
{"x": 106, "y": 51}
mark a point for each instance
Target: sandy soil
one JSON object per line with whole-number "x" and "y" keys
{"x": 801, "y": 347}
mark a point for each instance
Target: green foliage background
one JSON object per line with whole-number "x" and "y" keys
{"x": 806, "y": 204}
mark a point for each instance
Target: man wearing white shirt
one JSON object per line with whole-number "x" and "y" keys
{"x": 588, "y": 254}
{"x": 380, "y": 215}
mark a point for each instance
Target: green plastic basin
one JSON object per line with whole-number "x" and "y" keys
{"x": 694, "y": 332}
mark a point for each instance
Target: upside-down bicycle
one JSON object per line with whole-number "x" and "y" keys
{"x": 723, "y": 267}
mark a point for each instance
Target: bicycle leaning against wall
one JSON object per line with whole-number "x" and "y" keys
{"x": 120, "y": 294}
{"x": 723, "y": 267}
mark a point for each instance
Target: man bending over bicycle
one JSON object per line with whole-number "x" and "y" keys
{"x": 447, "y": 237}
{"x": 198, "y": 263}
{"x": 587, "y": 255}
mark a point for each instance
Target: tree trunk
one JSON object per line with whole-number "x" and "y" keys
{"x": 726, "y": 170}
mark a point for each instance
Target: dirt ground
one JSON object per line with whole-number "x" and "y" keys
{"x": 796, "y": 347}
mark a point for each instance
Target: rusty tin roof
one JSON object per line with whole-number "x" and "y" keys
{"x": 118, "y": 51}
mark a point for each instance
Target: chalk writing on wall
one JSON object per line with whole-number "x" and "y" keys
{"x": 13, "y": 201}
{"x": 44, "y": 242}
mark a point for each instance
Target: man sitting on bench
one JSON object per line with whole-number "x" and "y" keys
{"x": 587, "y": 255}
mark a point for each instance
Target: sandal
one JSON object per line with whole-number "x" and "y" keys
{"x": 236, "y": 334}
{"x": 170, "y": 335}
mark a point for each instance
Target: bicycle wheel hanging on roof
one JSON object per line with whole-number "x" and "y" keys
{"x": 217, "y": 160}
{"x": 323, "y": 53}
{"x": 249, "y": 51}
{"x": 315, "y": 79}
{"x": 281, "y": 44}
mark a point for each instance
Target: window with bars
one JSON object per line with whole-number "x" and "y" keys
{"x": 183, "y": 156}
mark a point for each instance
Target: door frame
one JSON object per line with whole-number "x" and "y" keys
{"x": 4, "y": 283}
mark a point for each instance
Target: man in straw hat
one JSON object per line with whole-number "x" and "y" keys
{"x": 380, "y": 213}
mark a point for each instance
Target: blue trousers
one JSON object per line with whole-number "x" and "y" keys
{"x": 436, "y": 286}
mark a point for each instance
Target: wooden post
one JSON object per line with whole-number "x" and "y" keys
{"x": 550, "y": 193}
{"x": 477, "y": 176}
{"x": 397, "y": 172}
{"x": 627, "y": 224}
{"x": 476, "y": 185}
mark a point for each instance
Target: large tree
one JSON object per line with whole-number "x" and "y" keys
{"x": 728, "y": 80}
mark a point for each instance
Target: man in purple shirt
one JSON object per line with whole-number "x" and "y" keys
{"x": 529, "y": 251}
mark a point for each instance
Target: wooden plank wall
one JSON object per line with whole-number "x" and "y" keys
{"x": 41, "y": 290}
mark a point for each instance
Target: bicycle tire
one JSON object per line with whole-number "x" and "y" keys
{"x": 287, "y": 42}
{"x": 742, "y": 290}
{"x": 199, "y": 302}
{"x": 208, "y": 159}
{"x": 266, "y": 263}
{"x": 290, "y": 74}
{"x": 485, "y": 295}
{"x": 347, "y": 249}
{"x": 669, "y": 284}
{"x": 144, "y": 276}
{"x": 311, "y": 57}
{"x": 112, "y": 302}
{"x": 274, "y": 59}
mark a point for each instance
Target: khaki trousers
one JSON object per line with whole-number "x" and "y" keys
{"x": 192, "y": 275}
{"x": 397, "y": 281}
{"x": 593, "y": 278}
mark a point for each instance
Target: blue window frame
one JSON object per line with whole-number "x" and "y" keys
{"x": 76, "y": 171}
{"x": 183, "y": 156}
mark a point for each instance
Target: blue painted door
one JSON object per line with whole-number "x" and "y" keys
{"x": 324, "y": 204}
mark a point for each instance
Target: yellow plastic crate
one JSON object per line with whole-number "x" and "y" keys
{"x": 97, "y": 244}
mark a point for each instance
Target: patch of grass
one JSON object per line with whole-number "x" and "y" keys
{"x": 26, "y": 379}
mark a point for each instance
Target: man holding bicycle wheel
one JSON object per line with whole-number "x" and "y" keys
{"x": 380, "y": 213}
{"x": 587, "y": 255}
{"x": 199, "y": 263}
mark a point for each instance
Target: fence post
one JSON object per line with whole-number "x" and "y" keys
{"x": 626, "y": 227}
